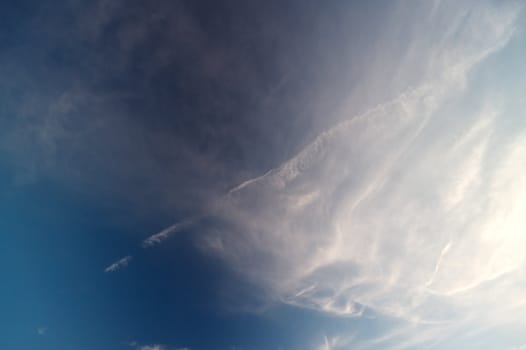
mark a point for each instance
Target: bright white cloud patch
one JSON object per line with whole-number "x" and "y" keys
{"x": 414, "y": 209}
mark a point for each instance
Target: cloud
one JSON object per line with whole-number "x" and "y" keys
{"x": 156, "y": 347}
{"x": 166, "y": 233}
{"x": 329, "y": 343}
{"x": 152, "y": 347}
{"x": 159, "y": 347}
{"x": 41, "y": 331}
{"x": 411, "y": 210}
{"x": 118, "y": 264}
{"x": 139, "y": 346}
{"x": 350, "y": 181}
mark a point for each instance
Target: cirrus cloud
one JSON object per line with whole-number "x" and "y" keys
{"x": 411, "y": 210}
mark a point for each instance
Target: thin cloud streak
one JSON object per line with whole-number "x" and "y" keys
{"x": 120, "y": 264}
{"x": 156, "y": 347}
{"x": 163, "y": 235}
{"x": 328, "y": 343}
{"x": 152, "y": 347}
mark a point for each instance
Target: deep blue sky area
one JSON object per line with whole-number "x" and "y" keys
{"x": 52, "y": 263}
{"x": 262, "y": 175}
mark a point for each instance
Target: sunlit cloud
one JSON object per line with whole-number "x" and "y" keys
{"x": 411, "y": 210}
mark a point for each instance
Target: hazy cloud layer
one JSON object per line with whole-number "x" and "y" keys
{"x": 412, "y": 209}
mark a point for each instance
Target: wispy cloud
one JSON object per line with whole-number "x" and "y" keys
{"x": 119, "y": 264}
{"x": 41, "y": 331}
{"x": 329, "y": 343}
{"x": 166, "y": 233}
{"x": 155, "y": 347}
{"x": 410, "y": 209}
{"x": 152, "y": 347}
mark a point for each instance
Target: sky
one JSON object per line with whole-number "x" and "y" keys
{"x": 262, "y": 175}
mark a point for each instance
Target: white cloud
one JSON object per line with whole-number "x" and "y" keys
{"x": 329, "y": 343}
{"x": 166, "y": 233}
{"x": 412, "y": 209}
{"x": 118, "y": 264}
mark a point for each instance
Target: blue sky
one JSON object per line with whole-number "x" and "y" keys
{"x": 182, "y": 175}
